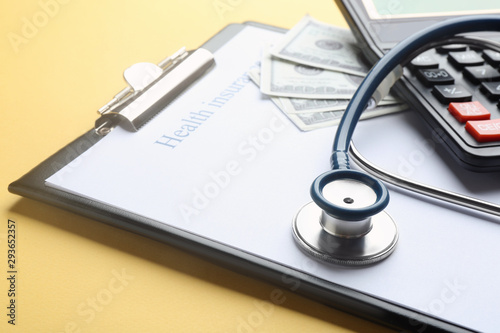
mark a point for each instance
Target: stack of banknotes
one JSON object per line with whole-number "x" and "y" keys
{"x": 312, "y": 73}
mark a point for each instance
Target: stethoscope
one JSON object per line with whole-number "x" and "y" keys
{"x": 346, "y": 223}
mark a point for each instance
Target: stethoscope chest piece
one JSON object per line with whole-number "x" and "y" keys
{"x": 346, "y": 224}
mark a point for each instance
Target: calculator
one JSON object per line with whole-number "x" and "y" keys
{"x": 455, "y": 87}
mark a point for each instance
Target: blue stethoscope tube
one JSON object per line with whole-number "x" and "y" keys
{"x": 401, "y": 53}
{"x": 398, "y": 55}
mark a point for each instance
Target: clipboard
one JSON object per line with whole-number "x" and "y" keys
{"x": 32, "y": 185}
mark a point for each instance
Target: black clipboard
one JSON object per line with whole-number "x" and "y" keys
{"x": 32, "y": 185}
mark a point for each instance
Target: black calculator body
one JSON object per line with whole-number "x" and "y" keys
{"x": 456, "y": 88}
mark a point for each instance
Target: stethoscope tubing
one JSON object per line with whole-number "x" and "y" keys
{"x": 401, "y": 53}
{"x": 427, "y": 190}
{"x": 424, "y": 189}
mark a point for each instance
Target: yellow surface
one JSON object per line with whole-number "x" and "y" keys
{"x": 61, "y": 61}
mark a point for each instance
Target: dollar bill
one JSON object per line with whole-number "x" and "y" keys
{"x": 304, "y": 105}
{"x": 320, "y": 117}
{"x": 300, "y": 105}
{"x": 288, "y": 79}
{"x": 316, "y": 120}
{"x": 319, "y": 44}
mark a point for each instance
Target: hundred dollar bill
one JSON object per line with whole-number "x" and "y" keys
{"x": 315, "y": 119}
{"x": 299, "y": 105}
{"x": 319, "y": 44}
{"x": 304, "y": 105}
{"x": 288, "y": 79}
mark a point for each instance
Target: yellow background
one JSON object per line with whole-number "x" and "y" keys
{"x": 53, "y": 78}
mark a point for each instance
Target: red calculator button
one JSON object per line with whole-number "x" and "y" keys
{"x": 484, "y": 130}
{"x": 468, "y": 111}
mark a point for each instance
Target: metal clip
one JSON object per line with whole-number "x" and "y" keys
{"x": 150, "y": 88}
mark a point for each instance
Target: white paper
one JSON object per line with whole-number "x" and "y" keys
{"x": 241, "y": 175}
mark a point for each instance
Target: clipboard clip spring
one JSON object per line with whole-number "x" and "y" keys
{"x": 150, "y": 88}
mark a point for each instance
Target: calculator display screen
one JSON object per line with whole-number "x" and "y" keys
{"x": 393, "y": 9}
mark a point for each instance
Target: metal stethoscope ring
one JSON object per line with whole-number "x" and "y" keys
{"x": 350, "y": 226}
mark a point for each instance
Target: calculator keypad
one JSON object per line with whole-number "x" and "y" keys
{"x": 463, "y": 86}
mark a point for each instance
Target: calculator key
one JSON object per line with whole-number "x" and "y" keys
{"x": 466, "y": 111}
{"x": 424, "y": 60}
{"x": 492, "y": 57}
{"x": 451, "y": 93}
{"x": 491, "y": 90}
{"x": 433, "y": 76}
{"x": 484, "y": 130}
{"x": 466, "y": 58}
{"x": 478, "y": 74}
{"x": 451, "y": 48}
